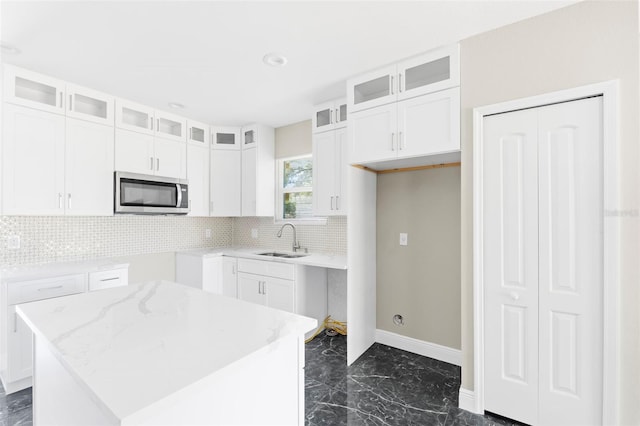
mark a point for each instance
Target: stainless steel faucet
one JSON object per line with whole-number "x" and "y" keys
{"x": 296, "y": 244}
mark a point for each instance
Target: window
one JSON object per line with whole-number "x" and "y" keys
{"x": 294, "y": 191}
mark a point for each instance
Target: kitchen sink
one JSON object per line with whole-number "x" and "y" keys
{"x": 282, "y": 255}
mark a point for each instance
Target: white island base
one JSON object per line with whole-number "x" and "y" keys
{"x": 165, "y": 354}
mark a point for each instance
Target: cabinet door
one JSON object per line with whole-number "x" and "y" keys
{"x": 134, "y": 152}
{"x": 340, "y": 114}
{"x": 212, "y": 274}
{"x": 87, "y": 104}
{"x": 429, "y": 124}
{"x": 373, "y": 134}
{"x": 325, "y": 170}
{"x": 225, "y": 183}
{"x": 135, "y": 117}
{"x": 33, "y": 90}
{"x": 428, "y": 73}
{"x": 324, "y": 117}
{"x": 230, "y": 276}
{"x": 249, "y": 163}
{"x": 32, "y": 162}
{"x": 20, "y": 347}
{"x": 170, "y": 126}
{"x": 198, "y": 133}
{"x": 226, "y": 138}
{"x": 170, "y": 158}
{"x": 279, "y": 294}
{"x": 342, "y": 170}
{"x": 372, "y": 89}
{"x": 250, "y": 288}
{"x": 89, "y": 152}
{"x": 198, "y": 176}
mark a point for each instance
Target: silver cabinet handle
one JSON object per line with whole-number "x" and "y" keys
{"x": 264, "y": 287}
{"x": 211, "y": 206}
{"x": 60, "y": 99}
{"x": 401, "y": 141}
{"x": 157, "y": 164}
{"x": 69, "y": 201}
{"x": 330, "y": 116}
{"x": 59, "y": 200}
{"x": 332, "y": 202}
{"x": 151, "y": 166}
{"x": 392, "y": 85}
{"x": 157, "y": 125}
{"x": 50, "y": 288}
{"x": 259, "y": 287}
{"x": 151, "y": 123}
{"x": 70, "y": 102}
{"x": 337, "y": 200}
{"x": 110, "y": 279}
{"x": 393, "y": 143}
{"x": 399, "y": 82}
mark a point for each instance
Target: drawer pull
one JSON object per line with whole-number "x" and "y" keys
{"x": 110, "y": 279}
{"x": 50, "y": 288}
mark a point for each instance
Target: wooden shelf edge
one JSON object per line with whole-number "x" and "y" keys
{"x": 407, "y": 169}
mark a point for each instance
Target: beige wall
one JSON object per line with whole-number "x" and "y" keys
{"x": 420, "y": 281}
{"x": 294, "y": 139}
{"x": 584, "y": 43}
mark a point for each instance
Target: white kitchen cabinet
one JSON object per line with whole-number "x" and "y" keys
{"x": 32, "y": 162}
{"x": 226, "y": 183}
{"x": 230, "y": 276}
{"x": 198, "y": 133}
{"x": 330, "y": 156}
{"x": 258, "y": 174}
{"x": 102, "y": 280}
{"x": 90, "y": 105}
{"x": 430, "y": 72}
{"x": 30, "y": 89}
{"x": 268, "y": 291}
{"x": 88, "y": 168}
{"x": 226, "y": 138}
{"x": 135, "y": 117}
{"x": 170, "y": 126}
{"x": 201, "y": 270}
{"x": 198, "y": 177}
{"x": 143, "y": 153}
{"x": 329, "y": 116}
{"x": 417, "y": 127}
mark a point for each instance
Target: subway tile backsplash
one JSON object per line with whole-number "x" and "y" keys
{"x": 46, "y": 239}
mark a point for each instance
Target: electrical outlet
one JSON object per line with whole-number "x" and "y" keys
{"x": 207, "y": 233}
{"x": 13, "y": 242}
{"x": 254, "y": 233}
{"x": 404, "y": 239}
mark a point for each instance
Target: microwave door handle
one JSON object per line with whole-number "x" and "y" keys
{"x": 179, "y": 194}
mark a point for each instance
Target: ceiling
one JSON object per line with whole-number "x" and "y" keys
{"x": 207, "y": 55}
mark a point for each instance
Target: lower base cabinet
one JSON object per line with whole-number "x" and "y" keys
{"x": 269, "y": 291}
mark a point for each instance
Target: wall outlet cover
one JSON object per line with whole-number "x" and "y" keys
{"x": 207, "y": 233}
{"x": 254, "y": 233}
{"x": 404, "y": 239}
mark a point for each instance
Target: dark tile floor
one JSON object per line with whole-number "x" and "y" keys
{"x": 385, "y": 386}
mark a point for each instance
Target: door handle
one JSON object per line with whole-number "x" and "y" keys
{"x": 393, "y": 143}
{"x": 70, "y": 102}
{"x": 61, "y": 99}
{"x": 59, "y": 200}
{"x": 151, "y": 166}
{"x": 151, "y": 123}
{"x": 337, "y": 200}
{"x": 157, "y": 164}
{"x": 69, "y": 201}
{"x": 392, "y": 85}
{"x": 399, "y": 82}
{"x": 514, "y": 295}
{"x": 332, "y": 202}
{"x": 401, "y": 141}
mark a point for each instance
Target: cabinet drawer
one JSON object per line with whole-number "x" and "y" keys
{"x": 108, "y": 279}
{"x": 46, "y": 288}
{"x": 269, "y": 269}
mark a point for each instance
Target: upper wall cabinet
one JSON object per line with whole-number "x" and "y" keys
{"x": 144, "y": 119}
{"x": 430, "y": 72}
{"x": 198, "y": 133}
{"x": 330, "y": 116}
{"x": 87, "y": 104}
{"x": 250, "y": 136}
{"x": 27, "y": 88}
{"x": 258, "y": 172}
{"x": 226, "y": 138}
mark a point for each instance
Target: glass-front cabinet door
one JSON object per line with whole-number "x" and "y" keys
{"x": 323, "y": 117}
{"x": 23, "y": 87}
{"x": 249, "y": 136}
{"x": 87, "y": 104}
{"x": 132, "y": 116}
{"x": 431, "y": 72}
{"x": 198, "y": 133}
{"x": 170, "y": 126}
{"x": 227, "y": 138}
{"x": 372, "y": 89}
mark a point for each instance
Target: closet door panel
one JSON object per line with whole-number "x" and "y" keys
{"x": 571, "y": 262}
{"x": 510, "y": 191}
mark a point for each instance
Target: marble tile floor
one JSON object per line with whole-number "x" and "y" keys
{"x": 385, "y": 386}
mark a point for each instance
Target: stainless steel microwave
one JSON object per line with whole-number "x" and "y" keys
{"x": 146, "y": 194}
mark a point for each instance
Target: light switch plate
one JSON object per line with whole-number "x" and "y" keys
{"x": 404, "y": 239}
{"x": 207, "y": 233}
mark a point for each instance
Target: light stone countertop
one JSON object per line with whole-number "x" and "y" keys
{"x": 132, "y": 346}
{"x": 29, "y": 272}
{"x": 311, "y": 259}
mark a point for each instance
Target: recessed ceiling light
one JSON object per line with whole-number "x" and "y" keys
{"x": 9, "y": 49}
{"x": 275, "y": 59}
{"x": 175, "y": 105}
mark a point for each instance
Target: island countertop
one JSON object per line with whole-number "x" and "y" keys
{"x": 133, "y": 346}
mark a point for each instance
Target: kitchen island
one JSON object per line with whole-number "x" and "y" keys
{"x": 165, "y": 354}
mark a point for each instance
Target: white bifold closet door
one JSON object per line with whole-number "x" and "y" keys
{"x": 543, "y": 263}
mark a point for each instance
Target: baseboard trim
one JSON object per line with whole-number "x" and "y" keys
{"x": 467, "y": 400}
{"x": 420, "y": 347}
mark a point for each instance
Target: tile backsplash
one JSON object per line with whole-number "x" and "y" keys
{"x": 45, "y": 239}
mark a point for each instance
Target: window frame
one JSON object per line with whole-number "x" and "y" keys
{"x": 280, "y": 191}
